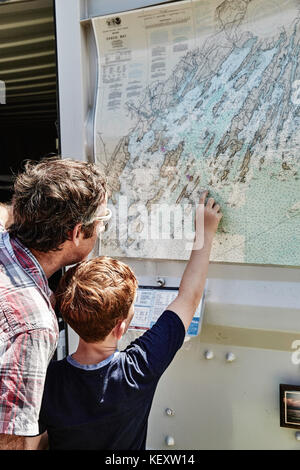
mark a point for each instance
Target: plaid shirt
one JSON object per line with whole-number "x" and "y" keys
{"x": 28, "y": 337}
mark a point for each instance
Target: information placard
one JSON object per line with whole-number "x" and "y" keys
{"x": 151, "y": 303}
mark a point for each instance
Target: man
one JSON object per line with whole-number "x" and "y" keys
{"x": 58, "y": 209}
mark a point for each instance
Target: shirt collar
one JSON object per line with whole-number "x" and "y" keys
{"x": 106, "y": 361}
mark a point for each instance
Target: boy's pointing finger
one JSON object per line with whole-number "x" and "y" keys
{"x": 203, "y": 197}
{"x": 210, "y": 202}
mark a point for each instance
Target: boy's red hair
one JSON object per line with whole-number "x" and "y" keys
{"x": 94, "y": 295}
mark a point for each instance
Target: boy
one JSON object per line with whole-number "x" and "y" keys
{"x": 100, "y": 398}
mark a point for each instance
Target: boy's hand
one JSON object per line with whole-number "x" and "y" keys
{"x": 212, "y": 215}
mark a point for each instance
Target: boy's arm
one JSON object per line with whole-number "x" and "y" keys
{"x": 194, "y": 277}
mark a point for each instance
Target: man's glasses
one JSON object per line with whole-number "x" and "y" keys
{"x": 104, "y": 219}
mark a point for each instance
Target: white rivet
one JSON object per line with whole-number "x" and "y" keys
{"x": 297, "y": 435}
{"x": 161, "y": 281}
{"x": 230, "y": 357}
{"x": 170, "y": 441}
{"x": 209, "y": 354}
{"x": 170, "y": 412}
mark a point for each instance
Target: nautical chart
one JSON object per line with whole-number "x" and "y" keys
{"x": 194, "y": 95}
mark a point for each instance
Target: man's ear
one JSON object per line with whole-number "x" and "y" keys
{"x": 75, "y": 234}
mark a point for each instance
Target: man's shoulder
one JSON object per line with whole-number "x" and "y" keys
{"x": 24, "y": 309}
{"x": 22, "y": 304}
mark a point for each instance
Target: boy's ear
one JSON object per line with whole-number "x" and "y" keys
{"x": 119, "y": 329}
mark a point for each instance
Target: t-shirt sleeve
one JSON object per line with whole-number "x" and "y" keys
{"x": 23, "y": 367}
{"x": 152, "y": 352}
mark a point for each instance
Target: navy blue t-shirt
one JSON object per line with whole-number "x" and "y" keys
{"x": 107, "y": 405}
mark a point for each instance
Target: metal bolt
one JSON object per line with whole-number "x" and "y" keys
{"x": 161, "y": 281}
{"x": 209, "y": 354}
{"x": 170, "y": 412}
{"x": 170, "y": 441}
{"x": 230, "y": 357}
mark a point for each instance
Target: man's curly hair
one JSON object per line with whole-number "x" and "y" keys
{"x": 51, "y": 197}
